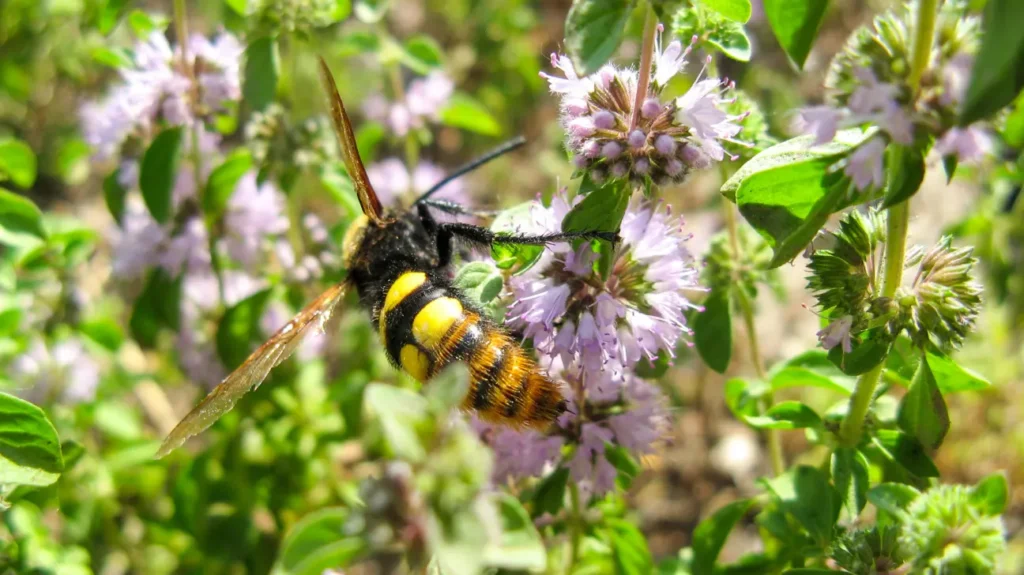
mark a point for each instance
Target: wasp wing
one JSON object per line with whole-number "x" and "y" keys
{"x": 254, "y": 370}
{"x": 368, "y": 199}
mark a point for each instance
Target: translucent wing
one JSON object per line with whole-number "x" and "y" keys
{"x": 254, "y": 370}
{"x": 346, "y": 139}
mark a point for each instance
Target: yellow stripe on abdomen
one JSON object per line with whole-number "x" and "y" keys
{"x": 415, "y": 362}
{"x": 403, "y": 286}
{"x": 435, "y": 319}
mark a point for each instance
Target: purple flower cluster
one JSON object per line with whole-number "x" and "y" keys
{"x": 424, "y": 99}
{"x": 592, "y": 331}
{"x": 635, "y": 313}
{"x": 158, "y": 86}
{"x": 64, "y": 370}
{"x": 663, "y": 140}
{"x": 867, "y": 101}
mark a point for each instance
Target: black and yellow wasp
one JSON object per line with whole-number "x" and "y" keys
{"x": 400, "y": 265}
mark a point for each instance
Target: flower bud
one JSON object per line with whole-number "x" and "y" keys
{"x": 642, "y": 166}
{"x": 591, "y": 148}
{"x": 604, "y": 120}
{"x": 637, "y": 138}
{"x": 665, "y": 145}
{"x": 582, "y": 127}
{"x": 694, "y": 157}
{"x": 619, "y": 169}
{"x": 576, "y": 107}
{"x": 651, "y": 108}
{"x": 611, "y": 150}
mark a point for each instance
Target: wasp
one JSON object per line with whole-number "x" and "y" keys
{"x": 400, "y": 265}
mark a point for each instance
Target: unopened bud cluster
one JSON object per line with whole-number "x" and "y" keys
{"x": 939, "y": 304}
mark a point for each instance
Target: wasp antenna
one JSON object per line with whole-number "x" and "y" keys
{"x": 346, "y": 139}
{"x": 472, "y": 165}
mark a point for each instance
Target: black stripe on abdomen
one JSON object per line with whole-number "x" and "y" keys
{"x": 398, "y": 321}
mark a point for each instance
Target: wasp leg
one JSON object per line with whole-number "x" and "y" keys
{"x": 485, "y": 238}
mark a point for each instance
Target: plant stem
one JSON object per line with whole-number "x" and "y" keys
{"x": 196, "y": 155}
{"x": 575, "y": 528}
{"x": 927, "y": 11}
{"x": 897, "y": 222}
{"x": 646, "y": 60}
{"x": 412, "y": 145}
{"x": 747, "y": 309}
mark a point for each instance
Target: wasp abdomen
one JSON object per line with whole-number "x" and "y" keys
{"x": 425, "y": 327}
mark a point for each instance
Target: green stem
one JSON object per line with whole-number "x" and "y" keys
{"x": 897, "y": 222}
{"x": 773, "y": 436}
{"x": 575, "y": 528}
{"x": 927, "y": 11}
{"x": 646, "y": 61}
{"x": 196, "y": 155}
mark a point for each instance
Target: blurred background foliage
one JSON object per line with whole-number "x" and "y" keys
{"x": 296, "y": 446}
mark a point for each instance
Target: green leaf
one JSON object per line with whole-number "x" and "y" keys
{"x": 732, "y": 40}
{"x": 998, "y": 74}
{"x": 805, "y": 493}
{"x": 116, "y": 422}
{"x": 19, "y": 214}
{"x": 906, "y": 166}
{"x": 72, "y": 163}
{"x": 157, "y": 306}
{"x": 892, "y": 497}
{"x": 240, "y": 7}
{"x": 114, "y": 195}
{"x": 949, "y": 164}
{"x": 550, "y": 494}
{"x": 952, "y": 377}
{"x": 158, "y": 172}
{"x": 629, "y": 548}
{"x": 623, "y": 462}
{"x": 481, "y": 281}
{"x": 398, "y": 412}
{"x": 601, "y": 210}
{"x": 17, "y": 163}
{"x": 103, "y": 331}
{"x": 906, "y": 451}
{"x": 464, "y": 111}
{"x": 809, "y": 571}
{"x": 795, "y": 24}
{"x": 262, "y": 67}
{"x": 712, "y": 330}
{"x": 786, "y": 415}
{"x": 850, "y": 475}
{"x": 518, "y": 258}
{"x": 29, "y": 448}
{"x": 223, "y": 180}
{"x": 355, "y": 41}
{"x": 868, "y": 350}
{"x": 923, "y": 412}
{"x": 735, "y": 10}
{"x": 239, "y": 329}
{"x": 804, "y": 377}
{"x": 991, "y": 494}
{"x": 143, "y": 24}
{"x": 710, "y": 535}
{"x": 593, "y": 31}
{"x": 788, "y": 191}
{"x": 422, "y": 54}
{"x": 114, "y": 57}
{"x": 520, "y": 547}
{"x": 317, "y": 542}
{"x": 799, "y": 150}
